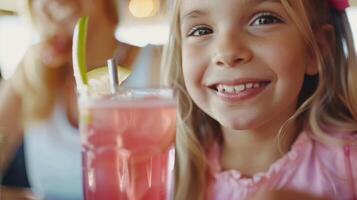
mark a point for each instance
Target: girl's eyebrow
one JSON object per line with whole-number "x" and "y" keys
{"x": 193, "y": 14}
{"x": 246, "y": 3}
{"x": 255, "y": 2}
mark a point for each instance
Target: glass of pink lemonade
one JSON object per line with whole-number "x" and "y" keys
{"x": 128, "y": 144}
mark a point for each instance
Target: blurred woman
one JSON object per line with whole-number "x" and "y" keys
{"x": 39, "y": 101}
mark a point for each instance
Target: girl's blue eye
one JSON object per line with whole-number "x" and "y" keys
{"x": 199, "y": 31}
{"x": 265, "y": 19}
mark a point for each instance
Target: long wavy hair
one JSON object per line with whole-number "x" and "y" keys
{"x": 327, "y": 101}
{"x": 37, "y": 84}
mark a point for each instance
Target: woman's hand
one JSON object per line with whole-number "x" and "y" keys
{"x": 285, "y": 194}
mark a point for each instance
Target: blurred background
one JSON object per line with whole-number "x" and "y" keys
{"x": 142, "y": 23}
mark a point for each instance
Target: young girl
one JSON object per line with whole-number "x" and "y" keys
{"x": 267, "y": 99}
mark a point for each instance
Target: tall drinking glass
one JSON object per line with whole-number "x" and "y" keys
{"x": 128, "y": 144}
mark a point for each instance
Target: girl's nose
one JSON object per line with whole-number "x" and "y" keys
{"x": 230, "y": 52}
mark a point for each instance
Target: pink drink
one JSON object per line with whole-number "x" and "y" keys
{"x": 127, "y": 148}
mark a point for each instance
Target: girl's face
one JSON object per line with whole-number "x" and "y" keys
{"x": 244, "y": 61}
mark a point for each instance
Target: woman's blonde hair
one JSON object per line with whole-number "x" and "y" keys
{"x": 327, "y": 103}
{"x": 37, "y": 84}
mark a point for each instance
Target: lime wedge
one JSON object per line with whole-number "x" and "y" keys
{"x": 98, "y": 79}
{"x": 79, "y": 53}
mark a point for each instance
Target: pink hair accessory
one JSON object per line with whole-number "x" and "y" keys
{"x": 339, "y": 5}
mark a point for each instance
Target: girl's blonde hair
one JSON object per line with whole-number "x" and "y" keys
{"x": 327, "y": 103}
{"x": 37, "y": 84}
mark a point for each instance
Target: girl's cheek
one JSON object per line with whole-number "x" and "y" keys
{"x": 189, "y": 60}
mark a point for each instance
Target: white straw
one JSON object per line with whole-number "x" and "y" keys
{"x": 113, "y": 75}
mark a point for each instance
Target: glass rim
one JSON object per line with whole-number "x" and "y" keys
{"x": 127, "y": 94}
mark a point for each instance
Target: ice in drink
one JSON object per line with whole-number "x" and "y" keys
{"x": 128, "y": 149}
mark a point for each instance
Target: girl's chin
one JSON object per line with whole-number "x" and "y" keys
{"x": 238, "y": 125}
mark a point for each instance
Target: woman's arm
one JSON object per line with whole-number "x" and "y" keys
{"x": 10, "y": 123}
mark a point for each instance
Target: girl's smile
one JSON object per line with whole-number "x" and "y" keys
{"x": 239, "y": 90}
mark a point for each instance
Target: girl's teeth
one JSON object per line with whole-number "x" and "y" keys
{"x": 249, "y": 85}
{"x": 237, "y": 88}
{"x": 229, "y": 89}
{"x": 220, "y": 88}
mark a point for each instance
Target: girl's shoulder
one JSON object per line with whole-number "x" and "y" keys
{"x": 336, "y": 144}
{"x": 337, "y": 162}
{"x": 330, "y": 149}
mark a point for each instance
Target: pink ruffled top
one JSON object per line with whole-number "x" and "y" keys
{"x": 309, "y": 167}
